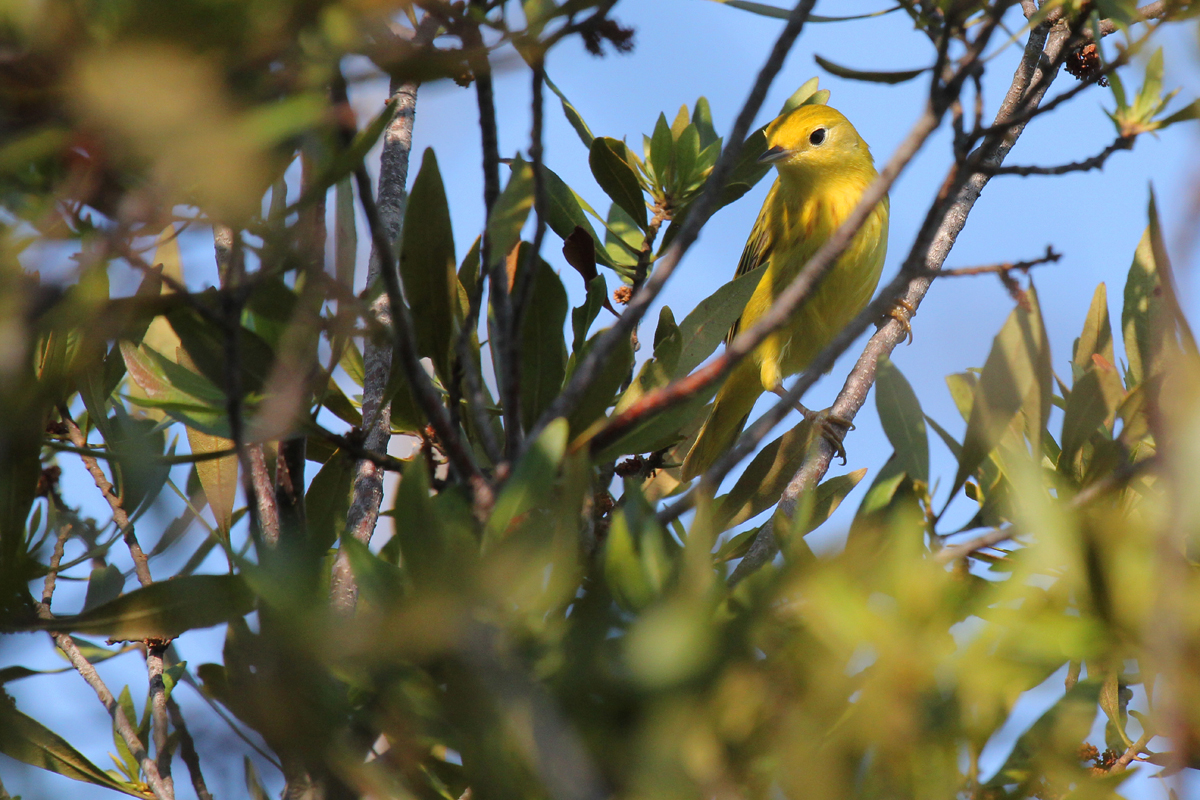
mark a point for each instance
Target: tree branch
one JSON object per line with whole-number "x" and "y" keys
{"x": 402, "y": 327}
{"x": 187, "y": 750}
{"x": 367, "y": 491}
{"x": 503, "y": 336}
{"x": 141, "y": 566}
{"x": 1095, "y": 162}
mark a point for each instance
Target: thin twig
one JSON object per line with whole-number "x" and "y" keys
{"x": 528, "y": 267}
{"x": 989, "y": 539}
{"x": 585, "y": 373}
{"x": 1095, "y": 162}
{"x": 1024, "y": 266}
{"x": 503, "y": 335}
{"x": 88, "y": 672}
{"x": 140, "y": 564}
{"x": 231, "y": 266}
{"x": 187, "y": 750}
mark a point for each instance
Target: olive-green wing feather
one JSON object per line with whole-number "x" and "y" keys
{"x": 756, "y": 252}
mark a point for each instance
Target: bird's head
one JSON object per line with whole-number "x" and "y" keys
{"x": 812, "y": 139}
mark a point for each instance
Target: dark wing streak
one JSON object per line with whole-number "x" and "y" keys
{"x": 758, "y": 249}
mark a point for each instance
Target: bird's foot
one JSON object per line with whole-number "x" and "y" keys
{"x": 902, "y": 311}
{"x": 833, "y": 428}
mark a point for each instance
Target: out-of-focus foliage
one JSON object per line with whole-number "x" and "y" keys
{"x": 535, "y": 630}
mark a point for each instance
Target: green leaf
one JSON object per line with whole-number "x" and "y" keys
{"x": 379, "y": 582}
{"x": 511, "y": 210}
{"x": 564, "y": 214}
{"x": 253, "y": 784}
{"x": 104, "y": 584}
{"x": 206, "y": 346}
{"x": 573, "y": 116}
{"x": 702, "y": 119}
{"x": 161, "y": 610}
{"x": 427, "y": 265}
{"x": 871, "y": 76}
{"x": 657, "y": 371}
{"x": 687, "y": 155}
{"x": 583, "y": 316}
{"x": 902, "y": 420}
{"x": 543, "y": 351}
{"x": 760, "y": 485}
{"x": 1186, "y": 114}
{"x": 436, "y": 535}
{"x": 706, "y": 327}
{"x": 531, "y": 482}
{"x": 661, "y": 155}
{"x": 762, "y": 9}
{"x": 28, "y": 741}
{"x": 618, "y": 178}
{"x": 1010, "y": 375}
{"x": 1096, "y": 338}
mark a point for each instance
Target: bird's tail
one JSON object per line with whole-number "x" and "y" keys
{"x": 726, "y": 420}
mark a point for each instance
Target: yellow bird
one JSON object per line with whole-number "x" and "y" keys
{"x": 824, "y": 167}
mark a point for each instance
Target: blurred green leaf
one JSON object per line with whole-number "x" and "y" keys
{"x": 531, "y": 482}
{"x": 162, "y": 610}
{"x": 1096, "y": 338}
{"x": 1054, "y": 737}
{"x": 1011, "y": 374}
{"x": 104, "y": 584}
{"x": 327, "y": 501}
{"x": 761, "y": 483}
{"x": 902, "y": 420}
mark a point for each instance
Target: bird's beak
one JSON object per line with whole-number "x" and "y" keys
{"x": 773, "y": 155}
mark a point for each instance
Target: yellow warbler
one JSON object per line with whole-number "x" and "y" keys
{"x": 824, "y": 166}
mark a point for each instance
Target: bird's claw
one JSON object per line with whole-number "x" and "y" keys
{"x": 832, "y": 427}
{"x": 902, "y": 311}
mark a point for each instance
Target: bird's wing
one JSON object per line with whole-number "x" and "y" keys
{"x": 757, "y": 251}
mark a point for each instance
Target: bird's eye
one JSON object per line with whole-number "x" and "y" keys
{"x": 817, "y": 137}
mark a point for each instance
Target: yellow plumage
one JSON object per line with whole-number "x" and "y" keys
{"x": 824, "y": 166}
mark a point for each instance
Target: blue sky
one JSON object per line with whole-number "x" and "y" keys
{"x": 688, "y": 48}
